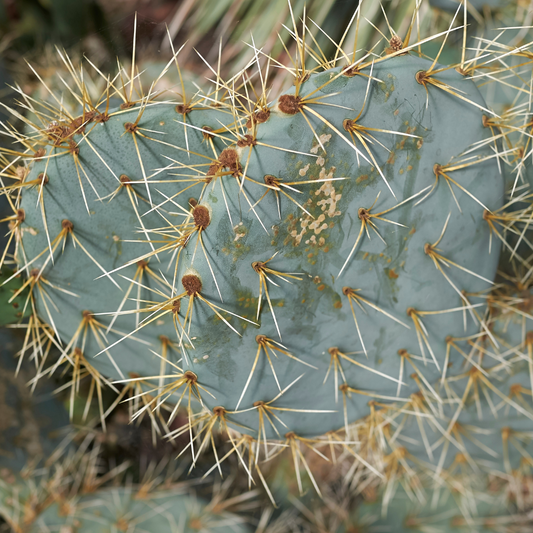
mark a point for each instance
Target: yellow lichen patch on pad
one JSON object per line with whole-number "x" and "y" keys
{"x": 303, "y": 171}
{"x": 323, "y": 139}
{"x": 318, "y": 225}
{"x": 323, "y": 207}
{"x": 240, "y": 231}
{"x": 331, "y": 200}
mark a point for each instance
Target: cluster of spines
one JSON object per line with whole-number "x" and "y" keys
{"x": 72, "y": 488}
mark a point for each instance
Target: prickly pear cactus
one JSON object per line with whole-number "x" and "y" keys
{"x": 72, "y": 492}
{"x": 133, "y": 510}
{"x": 504, "y": 27}
{"x": 294, "y": 277}
{"x": 443, "y": 515}
{"x": 313, "y": 274}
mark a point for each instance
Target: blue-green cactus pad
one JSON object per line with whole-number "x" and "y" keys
{"x": 310, "y": 241}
